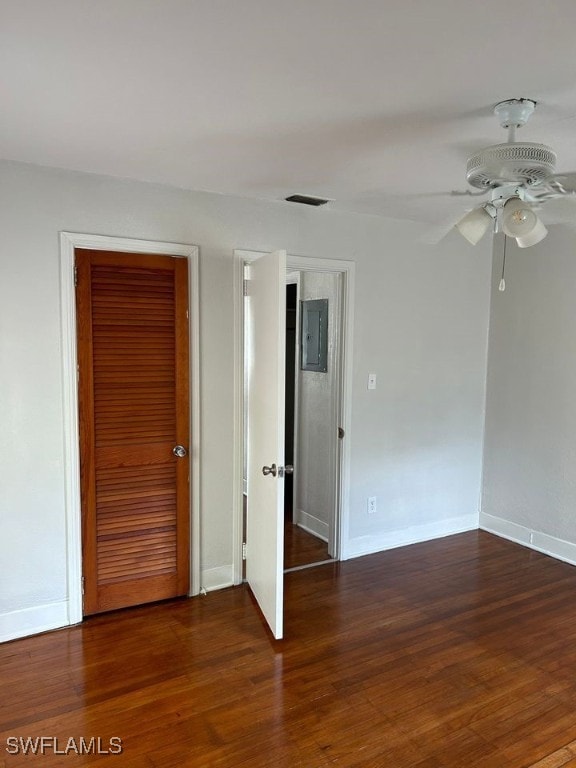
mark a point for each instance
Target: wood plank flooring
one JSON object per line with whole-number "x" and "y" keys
{"x": 301, "y": 548}
{"x": 455, "y": 653}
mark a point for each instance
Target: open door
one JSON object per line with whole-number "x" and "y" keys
{"x": 265, "y": 357}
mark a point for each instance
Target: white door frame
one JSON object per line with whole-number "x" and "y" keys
{"x": 293, "y": 278}
{"x": 300, "y": 263}
{"x": 68, "y": 242}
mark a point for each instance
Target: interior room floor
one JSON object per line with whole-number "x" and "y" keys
{"x": 452, "y": 653}
{"x": 301, "y": 547}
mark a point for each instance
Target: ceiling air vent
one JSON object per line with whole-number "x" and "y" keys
{"x": 307, "y": 200}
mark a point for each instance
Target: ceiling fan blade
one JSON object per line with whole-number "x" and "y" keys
{"x": 566, "y": 180}
{"x": 559, "y": 210}
{"x": 558, "y": 185}
{"x": 438, "y": 232}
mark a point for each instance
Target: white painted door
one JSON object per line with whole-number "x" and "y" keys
{"x": 265, "y": 351}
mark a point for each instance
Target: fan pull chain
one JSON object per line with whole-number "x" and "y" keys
{"x": 502, "y": 286}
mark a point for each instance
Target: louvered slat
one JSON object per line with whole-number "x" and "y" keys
{"x": 128, "y": 299}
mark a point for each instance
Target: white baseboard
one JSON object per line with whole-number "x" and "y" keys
{"x": 541, "y": 542}
{"x": 31, "y": 621}
{"x": 312, "y": 524}
{"x": 367, "y": 545}
{"x": 217, "y": 578}
{"x": 42, "y": 618}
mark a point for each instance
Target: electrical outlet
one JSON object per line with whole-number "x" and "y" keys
{"x": 371, "y": 505}
{"x": 371, "y": 381}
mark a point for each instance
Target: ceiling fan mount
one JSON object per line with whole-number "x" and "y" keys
{"x": 514, "y": 113}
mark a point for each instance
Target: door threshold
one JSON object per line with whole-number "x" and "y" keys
{"x": 310, "y": 565}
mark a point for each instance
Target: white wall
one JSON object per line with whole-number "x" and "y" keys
{"x": 421, "y": 323}
{"x": 421, "y": 326}
{"x": 529, "y": 488}
{"x": 315, "y": 478}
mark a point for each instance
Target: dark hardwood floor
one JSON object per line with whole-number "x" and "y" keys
{"x": 301, "y": 548}
{"x": 456, "y": 653}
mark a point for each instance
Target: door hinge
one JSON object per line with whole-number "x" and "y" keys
{"x": 82, "y": 584}
{"x": 245, "y": 287}
{"x": 75, "y": 276}
{"x": 340, "y": 433}
{"x": 244, "y": 551}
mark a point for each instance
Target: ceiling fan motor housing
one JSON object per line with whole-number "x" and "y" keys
{"x": 512, "y": 163}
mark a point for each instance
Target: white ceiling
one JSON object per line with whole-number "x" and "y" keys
{"x": 374, "y": 103}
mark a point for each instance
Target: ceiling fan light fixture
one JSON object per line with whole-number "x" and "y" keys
{"x": 474, "y": 225}
{"x": 535, "y": 236}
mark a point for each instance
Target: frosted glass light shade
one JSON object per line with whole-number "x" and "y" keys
{"x": 518, "y": 219}
{"x": 538, "y": 233}
{"x": 474, "y": 225}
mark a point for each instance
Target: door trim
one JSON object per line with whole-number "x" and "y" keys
{"x": 68, "y": 242}
{"x": 293, "y": 278}
{"x": 300, "y": 263}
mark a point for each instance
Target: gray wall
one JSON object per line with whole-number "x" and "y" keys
{"x": 529, "y": 486}
{"x": 420, "y": 324}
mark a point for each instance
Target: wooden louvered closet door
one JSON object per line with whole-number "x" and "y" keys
{"x": 134, "y": 409}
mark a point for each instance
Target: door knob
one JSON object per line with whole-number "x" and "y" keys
{"x": 278, "y": 471}
{"x": 179, "y": 451}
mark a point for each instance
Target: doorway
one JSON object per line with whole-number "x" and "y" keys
{"x": 69, "y": 242}
{"x": 311, "y": 424}
{"x": 345, "y": 270}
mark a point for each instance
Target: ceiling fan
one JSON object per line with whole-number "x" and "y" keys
{"x": 520, "y": 177}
